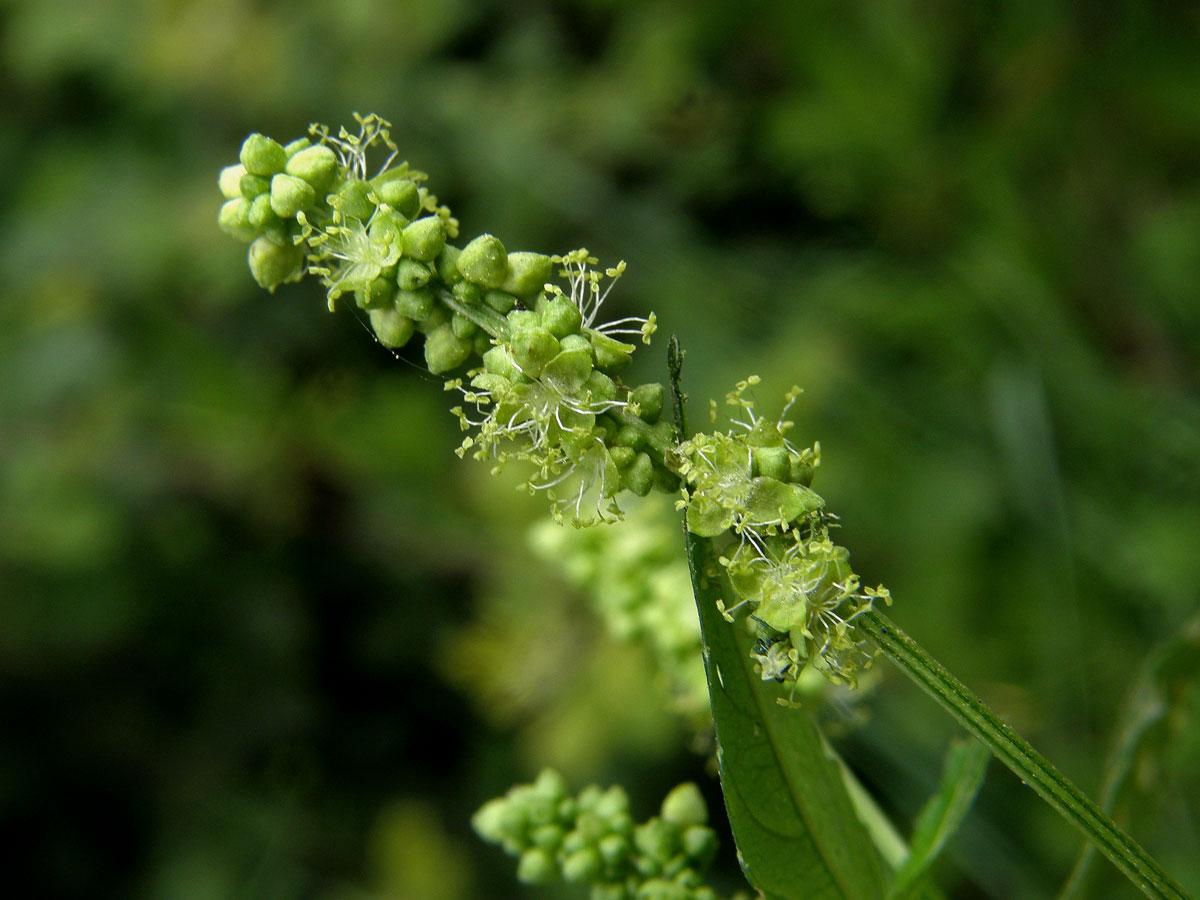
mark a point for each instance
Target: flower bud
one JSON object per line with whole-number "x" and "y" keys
{"x": 611, "y": 355}
{"x": 317, "y": 165}
{"x": 468, "y": 293}
{"x": 613, "y": 849}
{"x": 290, "y": 195}
{"x": 291, "y": 148}
{"x": 424, "y": 238}
{"x": 447, "y": 265}
{"x": 444, "y": 350}
{"x": 699, "y": 844}
{"x": 352, "y": 198}
{"x": 400, "y": 194}
{"x": 639, "y": 477}
{"x": 657, "y": 839}
{"x": 417, "y": 305}
{"x": 685, "y": 805}
{"x": 272, "y": 264}
{"x": 489, "y": 820}
{"x": 561, "y": 317}
{"x": 631, "y": 437}
{"x": 536, "y": 867}
{"x": 259, "y": 214}
{"x": 463, "y": 327}
{"x": 649, "y": 400}
{"x": 387, "y": 236}
{"x": 801, "y": 471}
{"x": 527, "y": 273}
{"x": 524, "y": 320}
{"x": 548, "y": 838}
{"x": 232, "y": 220}
{"x": 481, "y": 342}
{"x": 261, "y": 155}
{"x": 583, "y": 865}
{"x": 532, "y": 349}
{"x": 253, "y": 185}
{"x": 484, "y": 262}
{"x": 500, "y": 301}
{"x": 379, "y": 294}
{"x": 622, "y": 456}
{"x": 613, "y": 891}
{"x": 392, "y": 329}
{"x": 230, "y": 181}
{"x": 412, "y": 275}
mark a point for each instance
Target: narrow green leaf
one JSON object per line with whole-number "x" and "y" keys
{"x": 962, "y": 774}
{"x": 796, "y": 829}
{"x": 1142, "y": 729}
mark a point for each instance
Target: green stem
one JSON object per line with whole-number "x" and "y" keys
{"x": 1016, "y": 753}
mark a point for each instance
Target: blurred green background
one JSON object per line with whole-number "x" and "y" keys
{"x": 262, "y": 635}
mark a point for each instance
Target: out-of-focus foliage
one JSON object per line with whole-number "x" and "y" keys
{"x": 238, "y": 557}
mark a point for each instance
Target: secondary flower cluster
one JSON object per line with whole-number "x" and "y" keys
{"x": 749, "y": 488}
{"x": 546, "y": 384}
{"x": 591, "y": 839}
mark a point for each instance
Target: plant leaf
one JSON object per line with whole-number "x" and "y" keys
{"x": 1142, "y": 729}
{"x": 795, "y": 827}
{"x": 962, "y": 775}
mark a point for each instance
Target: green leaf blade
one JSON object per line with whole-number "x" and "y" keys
{"x": 797, "y": 833}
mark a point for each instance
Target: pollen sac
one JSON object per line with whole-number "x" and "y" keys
{"x": 272, "y": 264}
{"x": 484, "y": 262}
{"x": 527, "y": 273}
{"x": 424, "y": 238}
{"x": 444, "y": 350}
{"x": 317, "y": 165}
{"x": 290, "y": 195}
{"x": 392, "y": 329}
{"x": 262, "y": 156}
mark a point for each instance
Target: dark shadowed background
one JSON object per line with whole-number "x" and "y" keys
{"x": 245, "y": 584}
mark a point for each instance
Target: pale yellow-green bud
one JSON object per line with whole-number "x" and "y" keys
{"x": 392, "y": 329}
{"x": 527, "y": 273}
{"x": 232, "y": 220}
{"x": 230, "y": 181}
{"x": 317, "y": 165}
{"x": 272, "y": 264}
{"x": 424, "y": 238}
{"x": 484, "y": 262}
{"x": 262, "y": 156}
{"x": 290, "y": 195}
{"x": 444, "y": 350}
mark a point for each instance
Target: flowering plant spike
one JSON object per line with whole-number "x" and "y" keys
{"x": 521, "y": 338}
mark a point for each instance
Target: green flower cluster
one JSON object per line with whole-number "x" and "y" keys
{"x": 637, "y": 581}
{"x": 592, "y": 839}
{"x": 546, "y": 387}
{"x": 749, "y": 488}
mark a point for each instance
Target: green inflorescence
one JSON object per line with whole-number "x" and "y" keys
{"x": 749, "y": 489}
{"x": 542, "y": 379}
{"x": 591, "y": 839}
